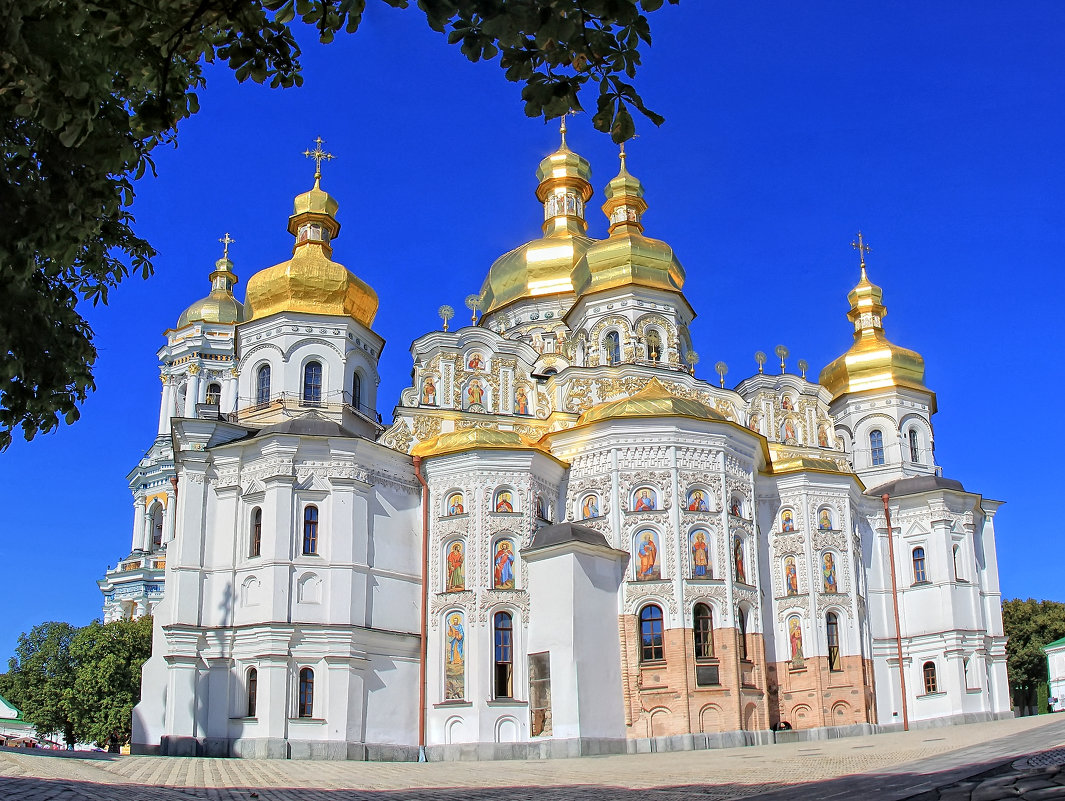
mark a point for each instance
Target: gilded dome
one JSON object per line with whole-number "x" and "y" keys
{"x": 311, "y": 281}
{"x": 544, "y": 266}
{"x": 627, "y": 256}
{"x": 872, "y": 362}
{"x": 654, "y": 400}
{"x": 468, "y": 439}
{"x": 219, "y": 306}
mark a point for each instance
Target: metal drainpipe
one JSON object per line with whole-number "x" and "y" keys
{"x": 425, "y": 608}
{"x": 895, "y": 600}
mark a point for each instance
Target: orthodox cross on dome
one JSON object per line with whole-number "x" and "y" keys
{"x": 862, "y": 249}
{"x": 562, "y": 130}
{"x": 319, "y": 156}
{"x": 226, "y": 241}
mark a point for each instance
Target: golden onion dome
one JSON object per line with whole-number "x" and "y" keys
{"x": 654, "y": 400}
{"x": 311, "y": 282}
{"x": 543, "y": 266}
{"x": 219, "y": 306}
{"x": 872, "y": 362}
{"x": 468, "y": 439}
{"x": 626, "y": 256}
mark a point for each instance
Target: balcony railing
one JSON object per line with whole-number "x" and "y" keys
{"x": 293, "y": 401}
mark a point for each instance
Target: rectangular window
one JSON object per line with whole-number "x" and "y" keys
{"x": 504, "y": 656}
{"x": 253, "y": 690}
{"x": 919, "y": 573}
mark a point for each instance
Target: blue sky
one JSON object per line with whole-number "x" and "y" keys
{"x": 936, "y": 128}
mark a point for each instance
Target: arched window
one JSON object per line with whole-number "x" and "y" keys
{"x": 741, "y": 621}
{"x": 929, "y": 673}
{"x": 306, "y": 702}
{"x": 262, "y": 386}
{"x": 957, "y": 572}
{"x": 256, "y": 544}
{"x": 157, "y": 527}
{"x": 703, "y": 631}
{"x": 504, "y": 655}
{"x": 832, "y": 631}
{"x": 612, "y": 346}
{"x": 310, "y": 530}
{"x": 253, "y": 690}
{"x": 919, "y": 572}
{"x": 654, "y": 346}
{"x": 915, "y": 446}
{"x": 876, "y": 446}
{"x": 312, "y": 383}
{"x": 651, "y": 647}
{"x": 214, "y": 394}
{"x": 356, "y": 391}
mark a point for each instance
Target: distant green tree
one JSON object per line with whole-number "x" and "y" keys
{"x": 1030, "y": 625}
{"x": 41, "y": 677}
{"x": 107, "y": 660}
{"x": 89, "y": 89}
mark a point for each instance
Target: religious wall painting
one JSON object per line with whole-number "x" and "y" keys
{"x": 503, "y": 501}
{"x": 795, "y": 642}
{"x": 428, "y": 391}
{"x": 785, "y": 403}
{"x": 475, "y": 394}
{"x": 589, "y": 506}
{"x": 822, "y": 436}
{"x": 503, "y": 565}
{"x": 824, "y": 520}
{"x": 455, "y": 559}
{"x": 696, "y": 501}
{"x": 791, "y": 576}
{"x": 700, "y": 545}
{"x": 521, "y": 401}
{"x": 475, "y": 362}
{"x": 648, "y": 567}
{"x": 455, "y": 656}
{"x": 645, "y": 499}
{"x": 735, "y": 506}
{"x": 787, "y": 430}
{"x": 828, "y": 572}
{"x": 737, "y": 559}
{"x": 787, "y": 520}
{"x": 455, "y": 504}
{"x": 754, "y": 423}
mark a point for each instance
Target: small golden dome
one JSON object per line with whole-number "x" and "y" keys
{"x": 872, "y": 362}
{"x": 654, "y": 400}
{"x": 311, "y": 282}
{"x": 468, "y": 439}
{"x": 543, "y": 266}
{"x": 627, "y": 256}
{"x": 219, "y": 306}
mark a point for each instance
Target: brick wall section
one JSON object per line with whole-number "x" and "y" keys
{"x": 661, "y": 698}
{"x": 814, "y": 696}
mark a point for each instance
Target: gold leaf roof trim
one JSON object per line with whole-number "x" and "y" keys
{"x": 654, "y": 400}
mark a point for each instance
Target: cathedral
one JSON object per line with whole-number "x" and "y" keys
{"x": 561, "y": 541}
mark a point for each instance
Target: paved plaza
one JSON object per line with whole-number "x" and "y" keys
{"x": 979, "y": 762}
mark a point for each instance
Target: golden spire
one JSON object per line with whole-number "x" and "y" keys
{"x": 319, "y": 156}
{"x": 562, "y": 130}
{"x": 565, "y": 186}
{"x": 624, "y": 204}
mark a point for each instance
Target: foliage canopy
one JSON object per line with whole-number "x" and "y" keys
{"x": 1030, "y": 625}
{"x": 89, "y": 89}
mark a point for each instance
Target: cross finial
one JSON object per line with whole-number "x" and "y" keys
{"x": 319, "y": 156}
{"x": 862, "y": 249}
{"x": 562, "y": 130}
{"x": 226, "y": 242}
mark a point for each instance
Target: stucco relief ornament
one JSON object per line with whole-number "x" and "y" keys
{"x": 786, "y": 606}
{"x": 787, "y": 543}
{"x": 710, "y": 592}
{"x": 426, "y": 427}
{"x": 638, "y": 593}
{"x": 836, "y": 540}
{"x": 496, "y": 600}
{"x": 439, "y": 601}
{"x": 750, "y": 595}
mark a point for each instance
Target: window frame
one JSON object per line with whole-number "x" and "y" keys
{"x": 915, "y": 446}
{"x": 251, "y": 683}
{"x": 703, "y": 631}
{"x": 835, "y": 662}
{"x": 255, "y": 547}
{"x": 920, "y": 565}
{"x": 930, "y": 678}
{"x": 262, "y": 385}
{"x": 503, "y": 655}
{"x": 305, "y": 698}
{"x": 310, "y": 530}
{"x": 216, "y": 392}
{"x": 876, "y": 447}
{"x": 356, "y": 390}
{"x": 652, "y": 625}
{"x": 313, "y": 374}
{"x": 741, "y": 628}
{"x": 612, "y": 346}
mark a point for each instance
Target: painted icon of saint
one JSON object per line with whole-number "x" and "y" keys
{"x": 504, "y": 566}
{"x": 737, "y": 557}
{"x": 456, "y": 578}
{"x": 590, "y": 507}
{"x": 646, "y": 501}
{"x": 791, "y": 577}
{"x": 787, "y": 522}
{"x": 648, "y": 553}
{"x": 822, "y": 437}
{"x": 503, "y": 503}
{"x": 700, "y": 556}
{"x": 785, "y": 403}
{"x": 476, "y": 362}
{"x": 456, "y": 640}
{"x": 429, "y": 392}
{"x": 454, "y": 659}
{"x": 734, "y": 507}
{"x": 454, "y": 505}
{"x": 521, "y": 401}
{"x": 697, "y": 502}
{"x": 475, "y": 393}
{"x": 753, "y": 423}
{"x": 828, "y": 572}
{"x": 824, "y": 522}
{"x": 795, "y": 640}
{"x": 789, "y": 429}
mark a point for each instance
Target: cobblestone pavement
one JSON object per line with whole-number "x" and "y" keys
{"x": 977, "y": 762}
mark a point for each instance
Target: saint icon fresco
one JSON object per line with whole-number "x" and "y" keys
{"x": 785, "y": 403}
{"x": 700, "y": 555}
{"x": 791, "y": 577}
{"x": 646, "y": 500}
{"x": 475, "y": 362}
{"x": 429, "y": 392}
{"x": 475, "y": 393}
{"x": 456, "y": 579}
{"x": 753, "y": 423}
{"x": 454, "y": 659}
{"x": 824, "y": 521}
{"x": 795, "y": 641}
{"x": 503, "y": 503}
{"x": 734, "y": 507}
{"x": 787, "y": 521}
{"x": 454, "y": 504}
{"x": 697, "y": 501}
{"x": 647, "y": 552}
{"x": 503, "y": 576}
{"x": 590, "y": 507}
{"x": 521, "y": 401}
{"x": 822, "y": 437}
{"x": 788, "y": 429}
{"x": 828, "y": 572}
{"x": 737, "y": 558}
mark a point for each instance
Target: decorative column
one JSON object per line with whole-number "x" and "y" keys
{"x": 170, "y": 516}
{"x": 229, "y": 393}
{"x": 138, "y": 523}
{"x": 192, "y": 391}
{"x": 166, "y": 404}
{"x": 147, "y": 531}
